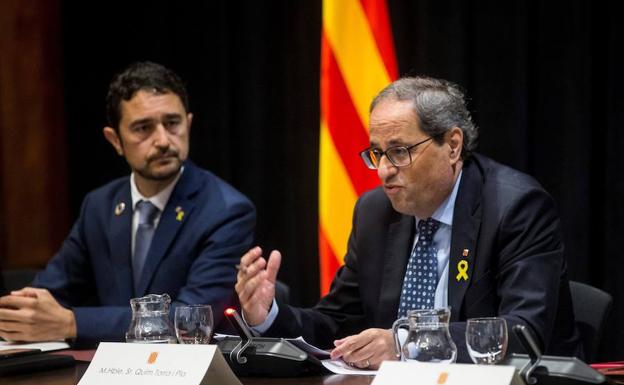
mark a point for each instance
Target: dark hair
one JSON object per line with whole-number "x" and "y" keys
{"x": 439, "y": 104}
{"x": 141, "y": 76}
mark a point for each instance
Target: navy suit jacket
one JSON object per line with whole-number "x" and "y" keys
{"x": 192, "y": 256}
{"x": 516, "y": 268}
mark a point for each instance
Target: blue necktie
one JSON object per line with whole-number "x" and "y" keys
{"x": 421, "y": 275}
{"x": 143, "y": 237}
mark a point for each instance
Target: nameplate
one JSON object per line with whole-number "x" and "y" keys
{"x": 399, "y": 373}
{"x": 154, "y": 364}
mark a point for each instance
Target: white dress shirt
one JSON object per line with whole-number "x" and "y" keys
{"x": 159, "y": 200}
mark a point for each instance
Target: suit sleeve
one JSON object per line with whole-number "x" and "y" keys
{"x": 527, "y": 270}
{"x": 68, "y": 274}
{"x": 69, "y": 278}
{"x": 337, "y": 315}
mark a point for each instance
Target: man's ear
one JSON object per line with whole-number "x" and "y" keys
{"x": 113, "y": 138}
{"x": 455, "y": 140}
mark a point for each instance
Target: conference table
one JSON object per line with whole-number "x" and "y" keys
{"x": 71, "y": 376}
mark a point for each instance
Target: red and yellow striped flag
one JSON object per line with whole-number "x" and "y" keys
{"x": 357, "y": 61}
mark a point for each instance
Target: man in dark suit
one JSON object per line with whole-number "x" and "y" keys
{"x": 447, "y": 228}
{"x": 169, "y": 227}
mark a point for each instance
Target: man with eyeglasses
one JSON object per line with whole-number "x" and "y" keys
{"x": 447, "y": 228}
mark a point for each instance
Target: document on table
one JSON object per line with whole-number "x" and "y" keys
{"x": 341, "y": 367}
{"x": 43, "y": 346}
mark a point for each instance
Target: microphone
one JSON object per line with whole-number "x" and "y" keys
{"x": 243, "y": 331}
{"x": 538, "y": 369}
{"x": 241, "y": 327}
{"x": 248, "y": 355}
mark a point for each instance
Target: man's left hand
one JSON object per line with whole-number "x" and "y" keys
{"x": 366, "y": 350}
{"x": 32, "y": 314}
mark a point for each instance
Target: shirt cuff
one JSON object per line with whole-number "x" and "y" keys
{"x": 263, "y": 327}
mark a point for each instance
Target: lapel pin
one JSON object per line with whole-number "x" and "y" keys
{"x": 121, "y": 206}
{"x": 462, "y": 267}
{"x": 180, "y": 214}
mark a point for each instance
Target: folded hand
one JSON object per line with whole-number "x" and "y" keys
{"x": 32, "y": 314}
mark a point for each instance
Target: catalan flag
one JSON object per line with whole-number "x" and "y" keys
{"x": 357, "y": 61}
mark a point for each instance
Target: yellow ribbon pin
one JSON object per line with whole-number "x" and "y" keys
{"x": 462, "y": 268}
{"x": 180, "y": 214}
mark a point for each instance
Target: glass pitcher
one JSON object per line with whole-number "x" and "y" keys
{"x": 428, "y": 338}
{"x": 150, "y": 320}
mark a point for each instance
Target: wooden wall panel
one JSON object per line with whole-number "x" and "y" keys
{"x": 33, "y": 159}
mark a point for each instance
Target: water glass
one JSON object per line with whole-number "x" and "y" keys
{"x": 486, "y": 339}
{"x": 193, "y": 324}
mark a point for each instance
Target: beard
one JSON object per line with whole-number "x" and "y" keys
{"x": 161, "y": 167}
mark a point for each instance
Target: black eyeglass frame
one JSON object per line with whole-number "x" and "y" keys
{"x": 364, "y": 154}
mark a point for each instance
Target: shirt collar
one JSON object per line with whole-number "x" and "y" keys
{"x": 444, "y": 213}
{"x": 159, "y": 200}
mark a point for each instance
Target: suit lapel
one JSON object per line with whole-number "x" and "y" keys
{"x": 399, "y": 239}
{"x": 466, "y": 223}
{"x": 175, "y": 214}
{"x": 119, "y": 231}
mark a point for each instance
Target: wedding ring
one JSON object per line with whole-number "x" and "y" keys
{"x": 367, "y": 364}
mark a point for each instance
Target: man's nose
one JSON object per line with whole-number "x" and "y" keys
{"x": 160, "y": 137}
{"x": 386, "y": 169}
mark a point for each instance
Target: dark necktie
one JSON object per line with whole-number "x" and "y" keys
{"x": 421, "y": 275}
{"x": 143, "y": 237}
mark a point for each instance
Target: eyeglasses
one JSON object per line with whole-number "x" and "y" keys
{"x": 399, "y": 156}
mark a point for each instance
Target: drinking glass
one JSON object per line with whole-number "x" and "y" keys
{"x": 486, "y": 339}
{"x": 193, "y": 324}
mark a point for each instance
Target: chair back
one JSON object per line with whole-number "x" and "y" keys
{"x": 592, "y": 307}
{"x": 282, "y": 292}
{"x": 18, "y": 278}
{"x": 2, "y": 287}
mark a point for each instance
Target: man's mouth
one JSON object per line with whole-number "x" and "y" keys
{"x": 391, "y": 188}
{"x": 163, "y": 157}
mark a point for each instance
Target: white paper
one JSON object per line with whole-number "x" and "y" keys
{"x": 43, "y": 346}
{"x": 157, "y": 364}
{"x": 341, "y": 367}
{"x": 420, "y": 373}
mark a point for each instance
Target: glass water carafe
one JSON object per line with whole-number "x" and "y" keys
{"x": 150, "y": 320}
{"x": 428, "y": 337}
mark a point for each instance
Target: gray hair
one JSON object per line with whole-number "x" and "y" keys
{"x": 439, "y": 105}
